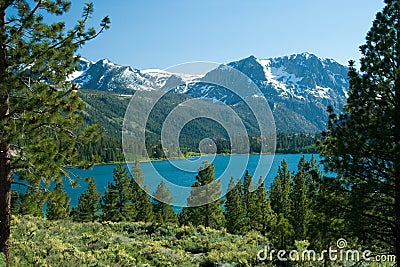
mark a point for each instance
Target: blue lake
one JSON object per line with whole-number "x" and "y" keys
{"x": 180, "y": 174}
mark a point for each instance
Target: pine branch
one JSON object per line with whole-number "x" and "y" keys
{"x": 33, "y": 11}
{"x": 35, "y": 188}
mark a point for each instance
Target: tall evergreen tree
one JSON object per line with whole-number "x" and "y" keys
{"x": 262, "y": 218}
{"x": 163, "y": 211}
{"x": 362, "y": 145}
{"x": 283, "y": 233}
{"x": 329, "y": 221}
{"x": 118, "y": 199}
{"x": 205, "y": 200}
{"x": 280, "y": 191}
{"x": 144, "y": 207}
{"x": 89, "y": 204}
{"x": 58, "y": 203}
{"x": 248, "y": 199}
{"x": 109, "y": 204}
{"x": 234, "y": 210}
{"x": 300, "y": 203}
{"x": 140, "y": 197}
{"x": 38, "y": 106}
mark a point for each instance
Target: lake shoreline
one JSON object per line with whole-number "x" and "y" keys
{"x": 182, "y": 158}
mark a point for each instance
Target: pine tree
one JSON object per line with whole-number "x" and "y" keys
{"x": 362, "y": 145}
{"x": 144, "y": 206}
{"x": 89, "y": 204}
{"x": 280, "y": 191}
{"x": 118, "y": 202}
{"x": 248, "y": 199}
{"x": 234, "y": 210}
{"x": 262, "y": 217}
{"x": 283, "y": 232}
{"x": 300, "y": 203}
{"x": 58, "y": 204}
{"x": 109, "y": 204}
{"x": 32, "y": 203}
{"x": 204, "y": 203}
{"x": 38, "y": 106}
{"x": 163, "y": 211}
{"x": 329, "y": 221}
{"x": 140, "y": 197}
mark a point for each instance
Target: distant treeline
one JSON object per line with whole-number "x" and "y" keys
{"x": 109, "y": 149}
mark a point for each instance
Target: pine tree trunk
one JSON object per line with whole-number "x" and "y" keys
{"x": 5, "y": 152}
{"x": 5, "y": 201}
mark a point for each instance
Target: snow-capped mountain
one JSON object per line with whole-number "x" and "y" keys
{"x": 298, "y": 87}
{"x": 303, "y": 85}
{"x": 107, "y": 76}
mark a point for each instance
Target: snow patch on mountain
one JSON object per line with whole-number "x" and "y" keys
{"x": 285, "y": 83}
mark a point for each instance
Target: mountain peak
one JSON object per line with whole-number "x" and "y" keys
{"x": 106, "y": 62}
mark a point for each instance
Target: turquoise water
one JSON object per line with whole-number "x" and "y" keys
{"x": 180, "y": 174}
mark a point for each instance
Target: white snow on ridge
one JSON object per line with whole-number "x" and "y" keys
{"x": 285, "y": 83}
{"x": 160, "y": 77}
{"x": 155, "y": 72}
{"x": 319, "y": 92}
{"x": 74, "y": 75}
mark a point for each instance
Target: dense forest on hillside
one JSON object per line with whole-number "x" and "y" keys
{"x": 108, "y": 110}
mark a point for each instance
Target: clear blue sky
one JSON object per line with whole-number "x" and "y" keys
{"x": 161, "y": 33}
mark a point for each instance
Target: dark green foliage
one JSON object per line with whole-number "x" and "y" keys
{"x": 109, "y": 204}
{"x": 283, "y": 233}
{"x": 263, "y": 218}
{"x": 15, "y": 202}
{"x": 204, "y": 200}
{"x": 248, "y": 198}
{"x": 234, "y": 210}
{"x": 58, "y": 203}
{"x": 280, "y": 191}
{"x": 32, "y": 203}
{"x": 300, "y": 201}
{"x": 89, "y": 206}
{"x": 327, "y": 223}
{"x": 362, "y": 145}
{"x": 144, "y": 206}
{"x": 125, "y": 199}
{"x": 117, "y": 200}
{"x": 259, "y": 215}
{"x": 248, "y": 208}
{"x": 140, "y": 198}
{"x": 163, "y": 211}
{"x": 107, "y": 110}
{"x": 293, "y": 143}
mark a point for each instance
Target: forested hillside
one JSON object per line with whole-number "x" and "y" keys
{"x": 108, "y": 110}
